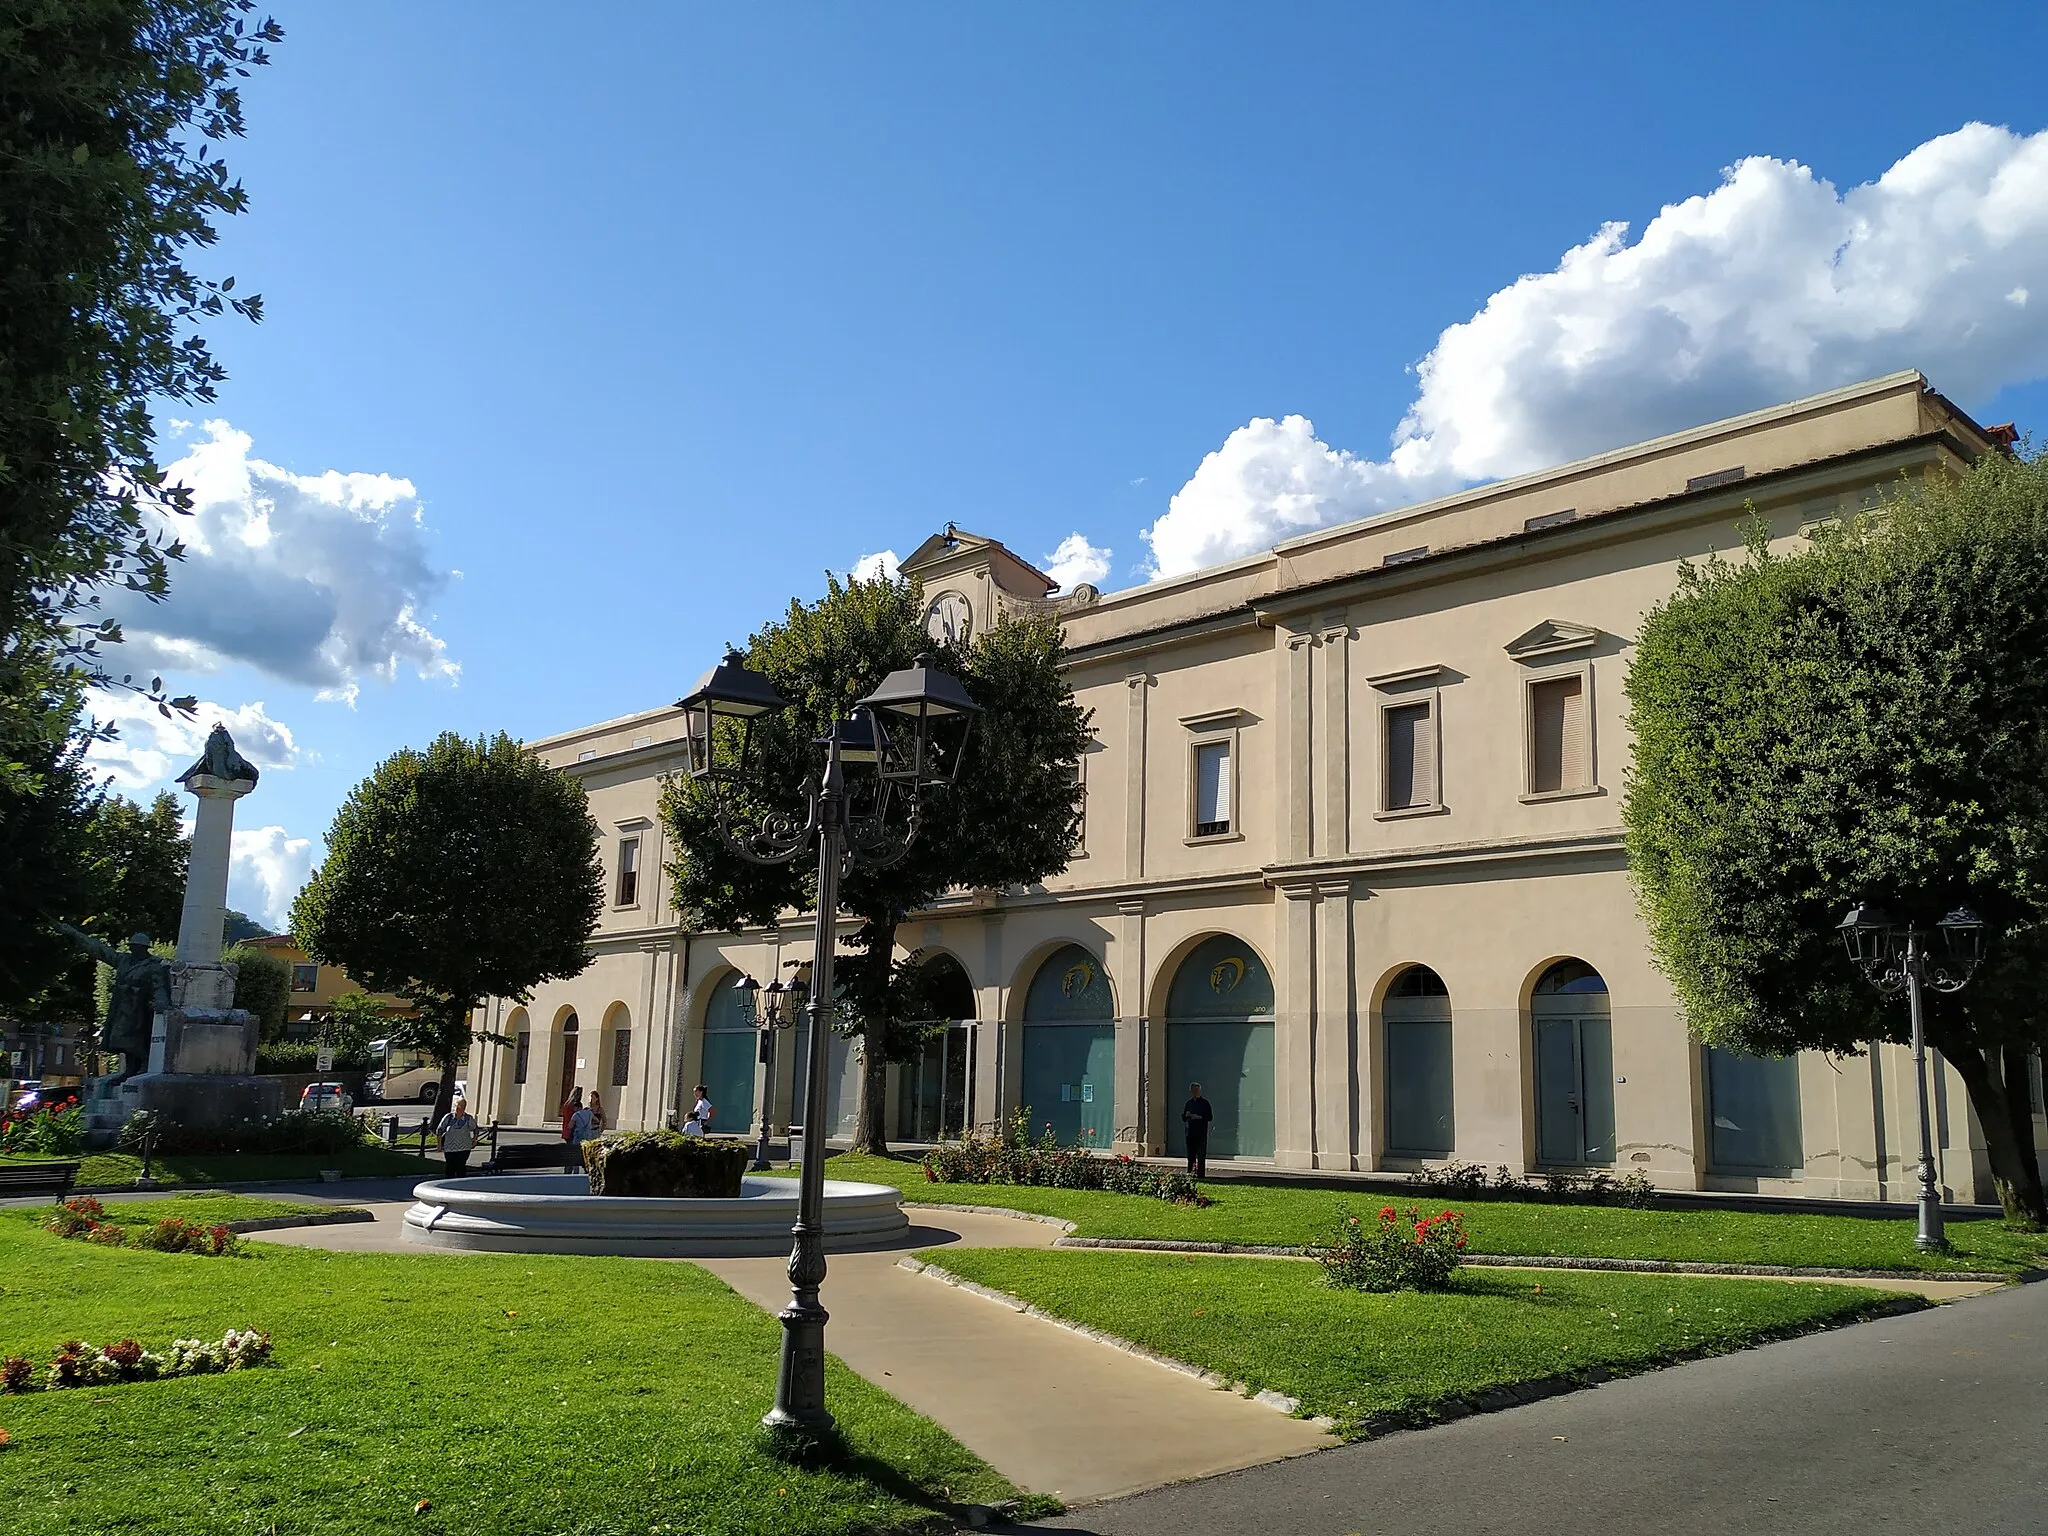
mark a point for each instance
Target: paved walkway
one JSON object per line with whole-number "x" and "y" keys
{"x": 1050, "y": 1410}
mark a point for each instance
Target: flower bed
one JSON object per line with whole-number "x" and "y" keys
{"x": 84, "y": 1217}
{"x": 1597, "y": 1187}
{"x": 78, "y": 1364}
{"x": 56, "y": 1129}
{"x": 1399, "y": 1252}
{"x": 1013, "y": 1158}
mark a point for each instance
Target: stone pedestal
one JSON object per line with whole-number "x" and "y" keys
{"x": 202, "y": 1058}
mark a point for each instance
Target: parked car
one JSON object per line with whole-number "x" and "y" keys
{"x": 325, "y": 1096}
{"x": 28, "y": 1096}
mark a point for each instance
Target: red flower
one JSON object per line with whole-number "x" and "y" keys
{"x": 1386, "y": 1213}
{"x": 1422, "y": 1229}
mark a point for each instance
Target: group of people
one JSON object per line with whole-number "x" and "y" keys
{"x": 582, "y": 1121}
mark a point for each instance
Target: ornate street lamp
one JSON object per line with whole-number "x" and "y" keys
{"x": 1896, "y": 958}
{"x": 771, "y": 1009}
{"x": 906, "y": 737}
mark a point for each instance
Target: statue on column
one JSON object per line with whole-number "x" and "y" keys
{"x": 141, "y": 990}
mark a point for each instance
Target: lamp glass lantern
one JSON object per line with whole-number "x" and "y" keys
{"x": 1963, "y": 932}
{"x": 733, "y": 695}
{"x": 1866, "y": 932}
{"x": 929, "y": 714}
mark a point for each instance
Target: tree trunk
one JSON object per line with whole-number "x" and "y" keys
{"x": 871, "y": 1134}
{"x": 454, "y": 1032}
{"x": 2017, "y": 1178}
{"x": 2019, "y": 1105}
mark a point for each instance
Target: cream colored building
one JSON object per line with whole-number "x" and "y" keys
{"x": 1352, "y": 857}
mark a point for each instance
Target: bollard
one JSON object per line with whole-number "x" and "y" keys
{"x": 391, "y": 1131}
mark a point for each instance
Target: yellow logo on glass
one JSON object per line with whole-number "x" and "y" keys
{"x": 1226, "y": 975}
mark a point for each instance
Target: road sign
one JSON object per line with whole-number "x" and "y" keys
{"x": 323, "y": 1060}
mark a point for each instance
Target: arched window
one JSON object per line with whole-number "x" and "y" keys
{"x": 566, "y": 1081}
{"x": 1069, "y": 1073}
{"x": 931, "y": 1093}
{"x": 1219, "y": 1033}
{"x": 1417, "y": 1019}
{"x": 1569, "y": 1018}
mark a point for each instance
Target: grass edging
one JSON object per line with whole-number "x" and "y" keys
{"x": 309, "y": 1219}
{"x": 1279, "y": 1402}
{"x": 1548, "y": 1261}
{"x": 1445, "y": 1409}
{"x": 994, "y": 1210}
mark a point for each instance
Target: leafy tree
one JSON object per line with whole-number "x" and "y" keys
{"x": 463, "y": 872}
{"x": 1868, "y": 718}
{"x": 240, "y": 925}
{"x": 354, "y": 1019}
{"x": 110, "y": 115}
{"x": 1008, "y": 821}
{"x": 46, "y": 817}
{"x": 263, "y": 985}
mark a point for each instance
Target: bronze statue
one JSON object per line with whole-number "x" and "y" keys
{"x": 220, "y": 760}
{"x": 142, "y": 988}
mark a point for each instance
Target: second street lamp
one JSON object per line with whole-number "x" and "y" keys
{"x": 769, "y": 1008}
{"x": 907, "y": 736}
{"x": 1896, "y": 958}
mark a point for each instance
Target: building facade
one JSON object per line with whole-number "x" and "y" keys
{"x": 1351, "y": 858}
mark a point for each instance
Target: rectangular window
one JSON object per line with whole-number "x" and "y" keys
{"x": 522, "y": 1052}
{"x": 1212, "y": 788}
{"x": 1753, "y": 1110}
{"x": 1410, "y": 776}
{"x": 1559, "y": 758}
{"x": 305, "y": 977}
{"x": 622, "y": 1057}
{"x": 629, "y": 871}
{"x": 1080, "y": 805}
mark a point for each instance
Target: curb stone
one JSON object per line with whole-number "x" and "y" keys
{"x": 1277, "y": 1401}
{"x": 307, "y": 1219}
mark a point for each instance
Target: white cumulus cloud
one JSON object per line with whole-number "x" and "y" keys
{"x": 882, "y": 562}
{"x": 150, "y": 747}
{"x": 266, "y": 868}
{"x": 1772, "y": 286}
{"x": 1076, "y": 561}
{"x": 319, "y": 580}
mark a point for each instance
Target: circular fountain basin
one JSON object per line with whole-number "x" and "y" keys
{"x": 556, "y": 1213}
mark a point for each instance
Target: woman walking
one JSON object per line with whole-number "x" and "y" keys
{"x": 457, "y": 1135}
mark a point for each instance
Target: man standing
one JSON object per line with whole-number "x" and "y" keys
{"x": 1195, "y": 1116}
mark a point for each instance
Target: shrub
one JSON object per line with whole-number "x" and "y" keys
{"x": 311, "y": 1130}
{"x": 56, "y": 1129}
{"x": 174, "y": 1234}
{"x": 1397, "y": 1252}
{"x": 1599, "y": 1187}
{"x": 17, "y": 1374}
{"x": 664, "y": 1165}
{"x": 79, "y": 1214}
{"x": 1011, "y": 1157}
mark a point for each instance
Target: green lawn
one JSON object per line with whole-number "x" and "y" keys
{"x": 521, "y": 1395}
{"x": 1291, "y": 1215}
{"x": 121, "y": 1169}
{"x": 1370, "y": 1362}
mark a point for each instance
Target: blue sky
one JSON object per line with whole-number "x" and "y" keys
{"x": 628, "y": 322}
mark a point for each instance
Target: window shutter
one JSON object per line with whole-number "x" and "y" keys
{"x": 1574, "y": 761}
{"x": 1549, "y": 706}
{"x": 622, "y": 1058}
{"x": 1212, "y": 788}
{"x": 1411, "y": 758}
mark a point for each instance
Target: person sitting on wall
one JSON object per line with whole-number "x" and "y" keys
{"x": 700, "y": 1112}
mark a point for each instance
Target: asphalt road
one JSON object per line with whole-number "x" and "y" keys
{"x": 1929, "y": 1423}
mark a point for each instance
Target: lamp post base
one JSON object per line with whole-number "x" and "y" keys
{"x": 800, "y": 1384}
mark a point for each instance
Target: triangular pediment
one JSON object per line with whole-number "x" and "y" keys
{"x": 1550, "y": 637}
{"x": 940, "y": 545}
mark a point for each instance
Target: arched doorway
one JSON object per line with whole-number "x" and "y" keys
{"x": 572, "y": 1041}
{"x": 1574, "y": 1066}
{"x": 1069, "y": 1072}
{"x": 931, "y": 1094}
{"x": 1219, "y": 1033}
{"x": 726, "y": 1065}
{"x": 1416, "y": 1016}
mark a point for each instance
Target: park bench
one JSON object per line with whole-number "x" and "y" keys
{"x": 511, "y": 1155}
{"x": 47, "y": 1178}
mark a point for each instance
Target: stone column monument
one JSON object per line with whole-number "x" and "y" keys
{"x": 202, "y": 1048}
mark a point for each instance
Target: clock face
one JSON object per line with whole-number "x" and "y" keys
{"x": 949, "y": 620}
